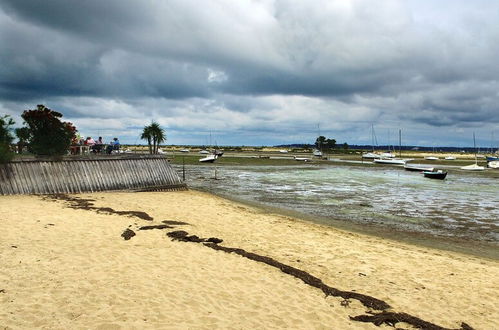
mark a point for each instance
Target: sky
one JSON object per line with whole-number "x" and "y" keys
{"x": 258, "y": 72}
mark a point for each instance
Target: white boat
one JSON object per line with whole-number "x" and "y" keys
{"x": 301, "y": 159}
{"x": 450, "y": 158}
{"x": 204, "y": 152}
{"x": 418, "y": 168}
{"x": 393, "y": 161}
{"x": 387, "y": 155}
{"x": 473, "y": 167}
{"x": 208, "y": 159}
{"x": 390, "y": 161}
{"x": 493, "y": 164}
{"x": 370, "y": 155}
{"x": 184, "y": 150}
{"x": 317, "y": 153}
{"x": 431, "y": 158}
{"x": 283, "y": 151}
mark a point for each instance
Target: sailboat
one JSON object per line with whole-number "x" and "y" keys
{"x": 210, "y": 158}
{"x": 473, "y": 167}
{"x": 393, "y": 161}
{"x": 371, "y": 155}
{"x": 318, "y": 151}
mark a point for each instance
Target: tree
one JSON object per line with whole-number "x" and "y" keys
{"x": 6, "y": 139}
{"x": 23, "y": 136}
{"x": 154, "y": 135}
{"x": 147, "y": 135}
{"x": 322, "y": 143}
{"x": 48, "y": 135}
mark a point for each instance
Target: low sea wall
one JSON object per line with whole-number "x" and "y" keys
{"x": 88, "y": 174}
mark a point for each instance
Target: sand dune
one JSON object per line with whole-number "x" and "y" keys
{"x": 68, "y": 267}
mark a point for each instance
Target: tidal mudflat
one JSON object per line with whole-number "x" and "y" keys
{"x": 387, "y": 199}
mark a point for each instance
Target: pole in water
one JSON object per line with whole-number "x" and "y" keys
{"x": 183, "y": 168}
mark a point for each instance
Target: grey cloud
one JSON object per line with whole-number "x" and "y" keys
{"x": 395, "y": 62}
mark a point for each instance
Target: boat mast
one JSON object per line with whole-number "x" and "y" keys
{"x": 474, "y": 147}
{"x": 319, "y": 132}
{"x": 400, "y": 143}
{"x": 372, "y": 136}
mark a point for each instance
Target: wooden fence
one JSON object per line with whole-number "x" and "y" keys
{"x": 88, "y": 174}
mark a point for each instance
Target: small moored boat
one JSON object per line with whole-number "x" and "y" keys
{"x": 418, "y": 168}
{"x": 493, "y": 164}
{"x": 390, "y": 161}
{"x": 440, "y": 175}
{"x": 208, "y": 159}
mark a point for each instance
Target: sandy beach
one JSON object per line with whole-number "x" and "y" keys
{"x": 66, "y": 265}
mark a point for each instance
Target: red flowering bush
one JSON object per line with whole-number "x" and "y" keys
{"x": 49, "y": 136}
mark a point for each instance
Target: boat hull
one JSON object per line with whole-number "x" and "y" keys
{"x": 473, "y": 167}
{"x": 417, "y": 168}
{"x": 390, "y": 161}
{"x": 493, "y": 164}
{"x": 439, "y": 175}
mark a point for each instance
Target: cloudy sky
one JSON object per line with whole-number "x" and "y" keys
{"x": 258, "y": 72}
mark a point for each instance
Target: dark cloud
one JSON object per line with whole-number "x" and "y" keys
{"x": 260, "y": 69}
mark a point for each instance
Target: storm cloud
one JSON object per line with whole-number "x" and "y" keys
{"x": 257, "y": 72}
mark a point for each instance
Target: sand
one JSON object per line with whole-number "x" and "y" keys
{"x": 69, "y": 268}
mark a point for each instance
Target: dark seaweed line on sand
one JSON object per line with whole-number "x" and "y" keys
{"x": 86, "y": 204}
{"x": 389, "y": 318}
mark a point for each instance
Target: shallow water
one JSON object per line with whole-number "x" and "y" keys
{"x": 390, "y": 198}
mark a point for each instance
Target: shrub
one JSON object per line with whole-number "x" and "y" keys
{"x": 49, "y": 136}
{"x": 6, "y": 139}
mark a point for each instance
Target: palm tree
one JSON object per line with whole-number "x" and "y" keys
{"x": 146, "y": 135}
{"x": 154, "y": 135}
{"x": 158, "y": 135}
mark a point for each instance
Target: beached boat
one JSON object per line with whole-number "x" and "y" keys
{"x": 208, "y": 159}
{"x": 450, "y": 158}
{"x": 493, "y": 164}
{"x": 317, "y": 153}
{"x": 417, "y": 168}
{"x": 440, "y": 175}
{"x": 390, "y": 161}
{"x": 370, "y": 155}
{"x": 474, "y": 167}
{"x": 283, "y": 151}
{"x": 204, "y": 152}
{"x": 492, "y": 158}
{"x": 387, "y": 155}
{"x": 431, "y": 158}
{"x": 301, "y": 159}
{"x": 184, "y": 150}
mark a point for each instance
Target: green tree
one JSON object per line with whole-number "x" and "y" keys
{"x": 6, "y": 139}
{"x": 147, "y": 135}
{"x": 23, "y": 136}
{"x": 322, "y": 143}
{"x": 154, "y": 135}
{"x": 48, "y": 135}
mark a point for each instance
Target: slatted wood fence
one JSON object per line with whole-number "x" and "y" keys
{"x": 88, "y": 174}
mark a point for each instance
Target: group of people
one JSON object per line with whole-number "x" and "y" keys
{"x": 95, "y": 146}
